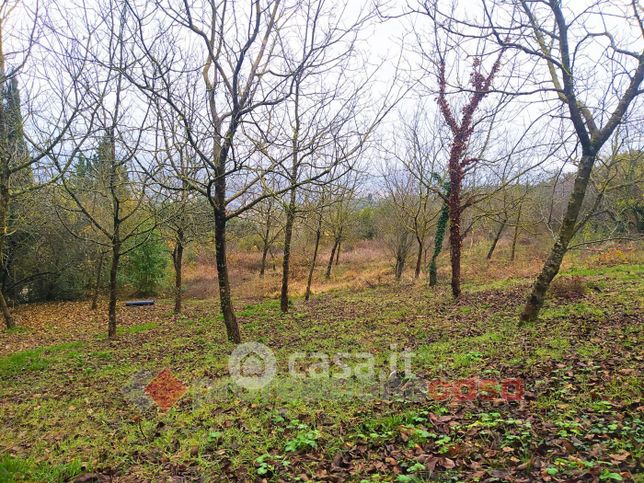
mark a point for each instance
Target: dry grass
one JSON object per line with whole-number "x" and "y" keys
{"x": 363, "y": 264}
{"x": 368, "y": 264}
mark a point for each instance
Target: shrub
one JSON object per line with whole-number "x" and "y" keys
{"x": 145, "y": 266}
{"x": 568, "y": 288}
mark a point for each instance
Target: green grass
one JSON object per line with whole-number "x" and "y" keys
{"x": 36, "y": 359}
{"x": 617, "y": 272}
{"x": 70, "y": 403}
{"x": 16, "y": 469}
{"x": 137, "y": 329}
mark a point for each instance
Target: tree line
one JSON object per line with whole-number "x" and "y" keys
{"x": 140, "y": 127}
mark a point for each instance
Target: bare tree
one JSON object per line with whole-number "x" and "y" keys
{"x": 25, "y": 158}
{"x": 267, "y": 220}
{"x": 186, "y": 217}
{"x": 561, "y": 39}
{"x": 246, "y": 74}
{"x": 112, "y": 195}
{"x": 339, "y": 218}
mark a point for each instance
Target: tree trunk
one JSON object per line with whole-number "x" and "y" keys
{"x": 177, "y": 259}
{"x": 116, "y": 255}
{"x": 566, "y": 232}
{"x": 419, "y": 259}
{"x": 318, "y": 235}
{"x": 4, "y": 188}
{"x": 400, "y": 266}
{"x": 97, "y": 286}
{"x": 290, "y": 212}
{"x": 331, "y": 258}
{"x": 337, "y": 253}
{"x": 262, "y": 268}
{"x": 288, "y": 236}
{"x": 496, "y": 240}
{"x": 441, "y": 224}
{"x": 515, "y": 237}
{"x": 225, "y": 299}
{"x": 9, "y": 321}
{"x": 455, "y": 239}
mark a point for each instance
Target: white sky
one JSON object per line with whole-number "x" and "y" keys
{"x": 385, "y": 42}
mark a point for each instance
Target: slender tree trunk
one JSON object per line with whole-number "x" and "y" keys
{"x": 496, "y": 240}
{"x": 225, "y": 299}
{"x": 219, "y": 206}
{"x": 337, "y": 253}
{"x": 262, "y": 268}
{"x": 329, "y": 266}
{"x": 419, "y": 259}
{"x": 566, "y": 232}
{"x": 309, "y": 281}
{"x": 97, "y": 286}
{"x": 266, "y": 245}
{"x": 438, "y": 244}
{"x": 4, "y": 186}
{"x": 455, "y": 239}
{"x": 400, "y": 265}
{"x": 288, "y": 236}
{"x": 177, "y": 259}
{"x": 9, "y": 321}
{"x": 515, "y": 237}
{"x": 290, "y": 212}
{"x": 116, "y": 255}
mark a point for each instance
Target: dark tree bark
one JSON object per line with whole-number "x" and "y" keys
{"x": 329, "y": 266}
{"x": 9, "y": 321}
{"x": 225, "y": 299}
{"x": 116, "y": 235}
{"x": 496, "y": 239}
{"x": 262, "y": 267}
{"x": 219, "y": 206}
{"x": 266, "y": 245}
{"x": 337, "y": 253}
{"x": 5, "y": 172}
{"x": 288, "y": 236}
{"x": 591, "y": 138}
{"x": 419, "y": 258}
{"x": 177, "y": 259}
{"x": 290, "y": 211}
{"x": 441, "y": 226}
{"x": 97, "y": 285}
{"x": 462, "y": 132}
{"x": 401, "y": 256}
{"x": 309, "y": 281}
{"x": 116, "y": 255}
{"x": 455, "y": 239}
{"x": 567, "y": 231}
{"x": 515, "y": 237}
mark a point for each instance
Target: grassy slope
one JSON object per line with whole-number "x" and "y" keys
{"x": 64, "y": 410}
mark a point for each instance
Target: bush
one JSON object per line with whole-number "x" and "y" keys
{"x": 144, "y": 268}
{"x": 568, "y": 288}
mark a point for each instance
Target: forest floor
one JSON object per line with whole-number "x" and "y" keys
{"x": 557, "y": 400}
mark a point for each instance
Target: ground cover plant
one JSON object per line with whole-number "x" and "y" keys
{"x": 68, "y": 408}
{"x": 321, "y": 240}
